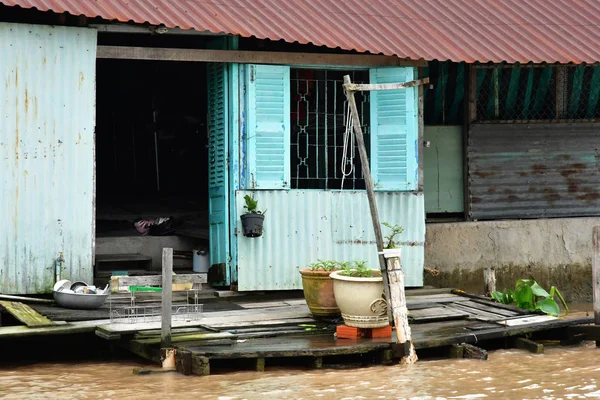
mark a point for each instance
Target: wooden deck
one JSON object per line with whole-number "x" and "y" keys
{"x": 255, "y": 330}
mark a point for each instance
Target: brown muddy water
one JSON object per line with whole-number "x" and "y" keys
{"x": 561, "y": 373}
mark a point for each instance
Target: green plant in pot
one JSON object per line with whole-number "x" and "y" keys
{"x": 318, "y": 288}
{"x": 253, "y": 219}
{"x": 358, "y": 291}
{"x": 391, "y": 250}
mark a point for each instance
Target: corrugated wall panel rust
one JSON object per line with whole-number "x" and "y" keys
{"x": 302, "y": 226}
{"x": 47, "y": 86}
{"x": 534, "y": 171}
{"x": 458, "y": 30}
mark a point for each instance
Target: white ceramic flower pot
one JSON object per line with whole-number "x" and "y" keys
{"x": 361, "y": 300}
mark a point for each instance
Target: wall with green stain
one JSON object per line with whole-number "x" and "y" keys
{"x": 556, "y": 251}
{"x": 443, "y": 169}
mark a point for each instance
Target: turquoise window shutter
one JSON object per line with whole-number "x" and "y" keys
{"x": 218, "y": 182}
{"x": 394, "y": 131}
{"x": 268, "y": 133}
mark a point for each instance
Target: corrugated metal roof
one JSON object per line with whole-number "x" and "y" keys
{"x": 458, "y": 30}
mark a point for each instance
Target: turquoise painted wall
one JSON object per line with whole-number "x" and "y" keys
{"x": 443, "y": 169}
{"x": 302, "y": 226}
{"x": 47, "y": 176}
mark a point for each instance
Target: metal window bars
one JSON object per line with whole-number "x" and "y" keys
{"x": 318, "y": 117}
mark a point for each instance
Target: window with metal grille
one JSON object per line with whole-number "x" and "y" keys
{"x": 319, "y": 158}
{"x": 529, "y": 93}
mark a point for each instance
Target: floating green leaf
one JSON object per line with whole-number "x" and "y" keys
{"x": 548, "y": 306}
{"x": 499, "y": 297}
{"x": 524, "y": 297}
{"x": 538, "y": 290}
{"x": 529, "y": 295}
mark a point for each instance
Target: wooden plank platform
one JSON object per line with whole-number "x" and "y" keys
{"x": 60, "y": 328}
{"x": 260, "y": 329}
{"x": 316, "y": 346}
{"x": 26, "y": 314}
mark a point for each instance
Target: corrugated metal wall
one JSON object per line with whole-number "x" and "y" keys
{"x": 302, "y": 226}
{"x": 47, "y": 97}
{"x": 534, "y": 171}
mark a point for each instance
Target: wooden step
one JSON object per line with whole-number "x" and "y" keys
{"x": 122, "y": 262}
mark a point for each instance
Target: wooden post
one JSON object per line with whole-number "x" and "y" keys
{"x": 596, "y": 276}
{"x": 399, "y": 310}
{"x": 167, "y": 287}
{"x": 391, "y": 269}
{"x": 364, "y": 160}
{"x": 489, "y": 280}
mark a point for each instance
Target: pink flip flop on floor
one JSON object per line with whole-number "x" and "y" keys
{"x": 143, "y": 225}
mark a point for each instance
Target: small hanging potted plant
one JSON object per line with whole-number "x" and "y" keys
{"x": 318, "y": 288}
{"x": 253, "y": 219}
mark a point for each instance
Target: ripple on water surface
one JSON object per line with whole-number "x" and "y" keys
{"x": 562, "y": 372}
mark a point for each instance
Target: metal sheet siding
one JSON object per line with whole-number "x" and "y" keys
{"x": 302, "y": 226}
{"x": 534, "y": 171}
{"x": 47, "y": 93}
{"x": 458, "y": 30}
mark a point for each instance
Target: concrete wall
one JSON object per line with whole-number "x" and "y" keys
{"x": 551, "y": 251}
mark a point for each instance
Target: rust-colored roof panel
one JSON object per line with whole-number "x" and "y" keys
{"x": 458, "y": 30}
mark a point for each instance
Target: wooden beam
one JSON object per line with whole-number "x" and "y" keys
{"x": 26, "y": 314}
{"x": 167, "y": 296}
{"x": 317, "y": 362}
{"x": 489, "y": 280}
{"x": 590, "y": 332}
{"x": 529, "y": 345}
{"x": 391, "y": 269}
{"x": 456, "y": 351}
{"x": 24, "y": 299}
{"x": 596, "y": 276}
{"x": 421, "y": 135}
{"x": 183, "y": 362}
{"x": 398, "y": 306}
{"x": 364, "y": 162}
{"x": 200, "y": 365}
{"x": 61, "y": 328}
{"x": 260, "y": 365}
{"x": 385, "y": 356}
{"x": 363, "y": 87}
{"x": 474, "y": 352}
{"x": 252, "y": 57}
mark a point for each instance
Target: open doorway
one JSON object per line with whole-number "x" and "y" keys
{"x": 151, "y": 159}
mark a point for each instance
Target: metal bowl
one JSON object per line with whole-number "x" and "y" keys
{"x": 62, "y": 285}
{"x": 77, "y": 284}
{"x": 79, "y": 301}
